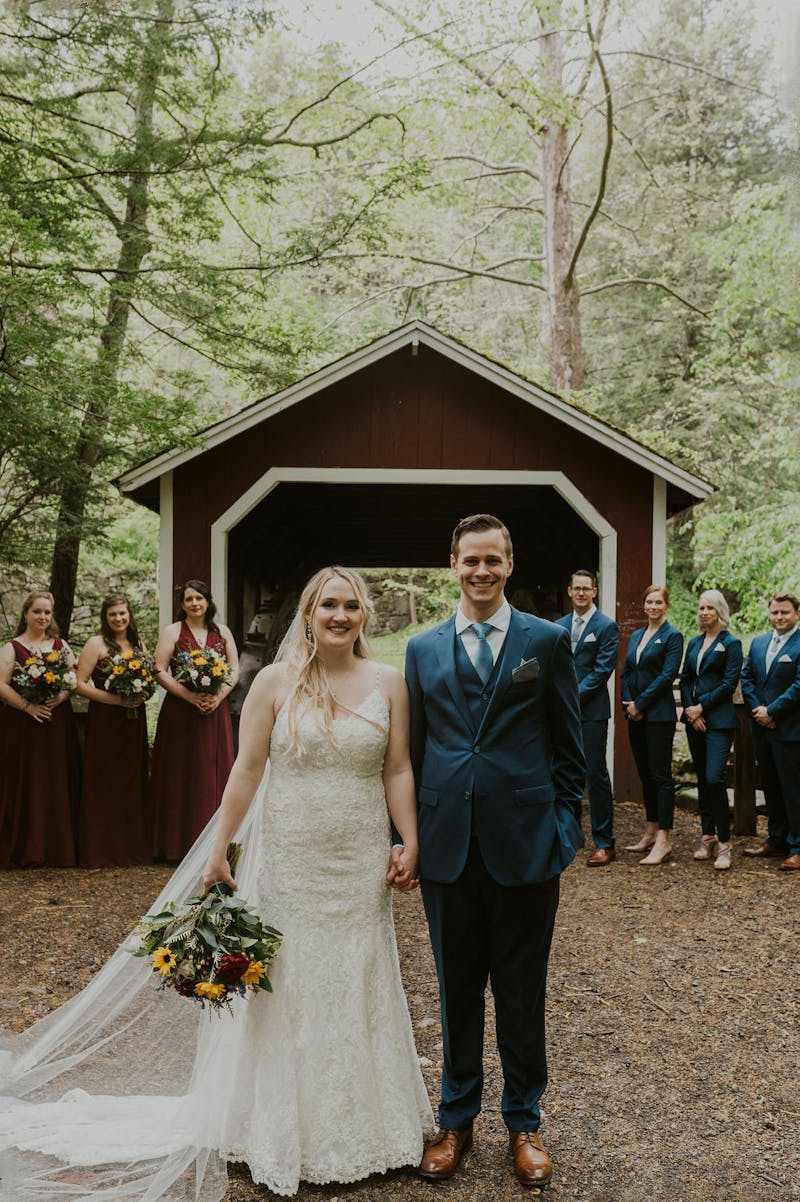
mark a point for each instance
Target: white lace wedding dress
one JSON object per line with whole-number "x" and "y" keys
{"x": 318, "y": 1081}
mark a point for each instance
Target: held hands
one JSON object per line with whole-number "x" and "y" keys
{"x": 694, "y": 716}
{"x": 762, "y": 717}
{"x": 207, "y": 702}
{"x": 40, "y": 713}
{"x": 403, "y": 874}
{"x": 631, "y": 712}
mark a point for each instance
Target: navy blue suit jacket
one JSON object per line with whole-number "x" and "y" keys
{"x": 595, "y": 659}
{"x": 648, "y": 684}
{"x": 714, "y": 685}
{"x": 515, "y": 778}
{"x": 778, "y": 689}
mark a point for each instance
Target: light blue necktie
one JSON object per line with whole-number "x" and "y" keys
{"x": 772, "y": 650}
{"x": 577, "y": 627}
{"x": 484, "y": 660}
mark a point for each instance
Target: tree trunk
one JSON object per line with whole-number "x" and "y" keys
{"x": 134, "y": 245}
{"x": 563, "y": 295}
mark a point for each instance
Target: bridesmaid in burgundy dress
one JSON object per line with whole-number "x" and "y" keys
{"x": 193, "y": 752}
{"x": 112, "y": 828}
{"x": 40, "y": 779}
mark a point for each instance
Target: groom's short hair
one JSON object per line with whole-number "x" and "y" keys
{"x": 477, "y": 523}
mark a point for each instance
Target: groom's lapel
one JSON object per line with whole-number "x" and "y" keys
{"x": 446, "y": 651}
{"x": 513, "y": 653}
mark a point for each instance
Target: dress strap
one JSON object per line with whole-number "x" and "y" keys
{"x": 378, "y": 675}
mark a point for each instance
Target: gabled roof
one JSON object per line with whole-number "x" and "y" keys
{"x": 414, "y": 334}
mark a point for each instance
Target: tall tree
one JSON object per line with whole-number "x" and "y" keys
{"x": 147, "y": 130}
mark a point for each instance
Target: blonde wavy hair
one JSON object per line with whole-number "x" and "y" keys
{"x": 310, "y": 688}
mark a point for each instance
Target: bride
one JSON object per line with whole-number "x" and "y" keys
{"x": 124, "y": 1094}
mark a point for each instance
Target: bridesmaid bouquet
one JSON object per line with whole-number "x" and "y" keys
{"x": 201, "y": 670}
{"x": 131, "y": 674}
{"x": 211, "y": 948}
{"x": 43, "y": 675}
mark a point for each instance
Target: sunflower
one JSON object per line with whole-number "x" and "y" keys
{"x": 163, "y": 961}
{"x": 253, "y": 973}
{"x": 52, "y": 657}
{"x": 209, "y": 989}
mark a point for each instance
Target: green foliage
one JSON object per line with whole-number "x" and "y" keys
{"x": 752, "y": 554}
{"x": 121, "y": 557}
{"x": 436, "y": 591}
{"x": 149, "y": 202}
{"x": 391, "y": 648}
{"x": 274, "y": 242}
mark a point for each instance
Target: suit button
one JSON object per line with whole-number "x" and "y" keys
{"x": 467, "y": 797}
{"x": 476, "y": 750}
{"x": 484, "y": 696}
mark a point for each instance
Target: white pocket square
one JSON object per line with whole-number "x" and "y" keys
{"x": 528, "y": 669}
{"x": 590, "y": 638}
{"x": 785, "y": 659}
{"x": 657, "y": 642}
{"x": 719, "y": 647}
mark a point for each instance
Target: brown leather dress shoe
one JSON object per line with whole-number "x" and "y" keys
{"x": 532, "y": 1165}
{"x": 441, "y": 1158}
{"x": 764, "y": 850}
{"x": 601, "y": 856}
{"x": 791, "y": 863}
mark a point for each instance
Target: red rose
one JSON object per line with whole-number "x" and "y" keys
{"x": 183, "y": 987}
{"x": 230, "y": 968}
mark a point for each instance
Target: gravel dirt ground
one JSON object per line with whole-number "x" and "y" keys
{"x": 673, "y": 1025}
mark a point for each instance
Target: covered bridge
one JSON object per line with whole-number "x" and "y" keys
{"x": 371, "y": 460}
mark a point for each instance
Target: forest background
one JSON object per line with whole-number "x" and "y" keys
{"x": 200, "y": 203}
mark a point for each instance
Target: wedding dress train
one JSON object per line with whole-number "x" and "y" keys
{"x": 124, "y": 1094}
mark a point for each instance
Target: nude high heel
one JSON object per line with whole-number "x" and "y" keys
{"x": 723, "y": 860}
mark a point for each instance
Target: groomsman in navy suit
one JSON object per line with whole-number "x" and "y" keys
{"x": 595, "y": 643}
{"x": 498, "y": 762}
{"x": 771, "y": 688}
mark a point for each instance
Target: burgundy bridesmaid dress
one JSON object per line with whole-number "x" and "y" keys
{"x": 112, "y": 828}
{"x": 192, "y": 760}
{"x": 39, "y": 785}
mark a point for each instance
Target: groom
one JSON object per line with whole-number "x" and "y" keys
{"x": 498, "y": 763}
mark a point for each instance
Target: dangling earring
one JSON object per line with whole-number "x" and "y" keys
{"x": 309, "y": 639}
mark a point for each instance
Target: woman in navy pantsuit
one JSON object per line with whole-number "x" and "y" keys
{"x": 710, "y": 675}
{"x": 651, "y": 665}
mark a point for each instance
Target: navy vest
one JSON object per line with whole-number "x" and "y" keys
{"x": 478, "y": 695}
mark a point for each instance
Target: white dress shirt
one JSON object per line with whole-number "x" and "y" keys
{"x": 587, "y": 617}
{"x": 499, "y": 622}
{"x": 774, "y": 649}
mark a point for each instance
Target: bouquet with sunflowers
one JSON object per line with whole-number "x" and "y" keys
{"x": 211, "y": 948}
{"x": 131, "y": 674}
{"x": 203, "y": 670}
{"x": 43, "y": 675}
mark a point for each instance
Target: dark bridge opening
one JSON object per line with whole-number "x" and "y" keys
{"x": 299, "y": 528}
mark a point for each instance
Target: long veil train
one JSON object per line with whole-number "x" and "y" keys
{"x": 113, "y": 1096}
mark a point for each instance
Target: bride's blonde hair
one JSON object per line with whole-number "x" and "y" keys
{"x": 298, "y": 652}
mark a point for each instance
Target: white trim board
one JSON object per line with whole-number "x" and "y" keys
{"x": 166, "y": 557}
{"x": 659, "y": 561}
{"x": 228, "y": 520}
{"x": 412, "y": 335}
